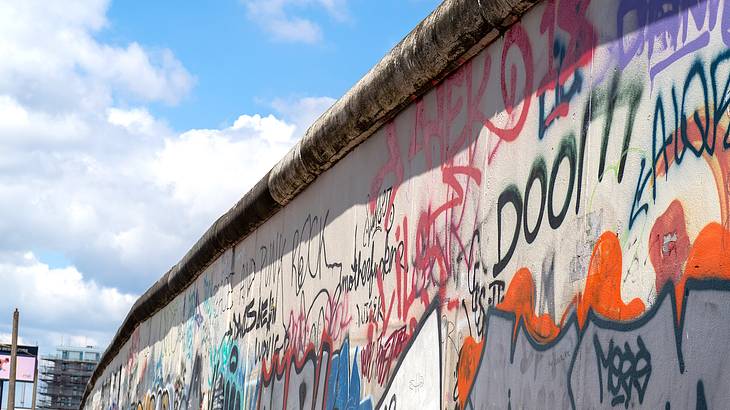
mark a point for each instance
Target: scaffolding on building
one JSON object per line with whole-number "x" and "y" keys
{"x": 64, "y": 375}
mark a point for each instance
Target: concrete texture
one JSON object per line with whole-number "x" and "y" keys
{"x": 520, "y": 206}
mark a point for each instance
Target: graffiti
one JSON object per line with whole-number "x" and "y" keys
{"x": 344, "y": 386}
{"x": 164, "y": 398}
{"x": 259, "y": 314}
{"x": 620, "y": 370}
{"x": 230, "y": 388}
{"x": 697, "y": 131}
{"x": 309, "y": 251}
{"x": 380, "y": 355}
{"x": 327, "y": 313}
{"x": 513, "y": 197}
{"x": 366, "y": 266}
{"x": 669, "y": 245}
{"x": 663, "y": 29}
{"x": 625, "y": 370}
{"x": 546, "y": 227}
{"x": 325, "y": 380}
{"x": 369, "y": 311}
{"x": 606, "y": 337}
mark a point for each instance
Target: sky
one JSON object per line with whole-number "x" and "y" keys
{"x": 116, "y": 116}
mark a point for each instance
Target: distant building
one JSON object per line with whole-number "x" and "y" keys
{"x": 64, "y": 375}
{"x": 25, "y": 373}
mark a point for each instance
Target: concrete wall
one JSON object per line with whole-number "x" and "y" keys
{"x": 545, "y": 228}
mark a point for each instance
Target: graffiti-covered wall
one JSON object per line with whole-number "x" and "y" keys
{"x": 545, "y": 228}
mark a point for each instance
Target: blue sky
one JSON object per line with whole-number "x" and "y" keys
{"x": 239, "y": 67}
{"x": 115, "y": 116}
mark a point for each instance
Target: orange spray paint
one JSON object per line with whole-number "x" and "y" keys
{"x": 709, "y": 258}
{"x": 602, "y": 292}
{"x": 520, "y": 300}
{"x": 468, "y": 362}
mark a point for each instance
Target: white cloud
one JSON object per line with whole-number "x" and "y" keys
{"x": 136, "y": 120}
{"x": 208, "y": 170}
{"x": 294, "y": 30}
{"x": 51, "y": 60}
{"x": 302, "y": 111}
{"x": 51, "y": 298}
{"x": 19, "y": 125}
{"x": 277, "y": 17}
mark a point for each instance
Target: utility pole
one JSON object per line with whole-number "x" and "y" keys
{"x": 35, "y": 383}
{"x": 13, "y": 362}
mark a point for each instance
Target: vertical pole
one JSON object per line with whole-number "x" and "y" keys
{"x": 13, "y": 362}
{"x": 35, "y": 384}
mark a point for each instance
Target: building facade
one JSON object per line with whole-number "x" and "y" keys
{"x": 64, "y": 376}
{"x": 25, "y": 376}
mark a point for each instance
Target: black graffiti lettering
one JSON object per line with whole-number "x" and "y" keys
{"x": 625, "y": 370}
{"x": 362, "y": 271}
{"x": 250, "y": 317}
{"x": 565, "y": 151}
{"x": 375, "y": 221}
{"x": 701, "y": 400}
{"x": 476, "y": 271}
{"x": 611, "y": 104}
{"x": 697, "y": 70}
{"x": 392, "y": 403}
{"x": 497, "y": 288}
{"x": 369, "y": 311}
{"x": 581, "y": 157}
{"x": 266, "y": 347}
{"x": 511, "y": 195}
{"x": 629, "y": 95}
{"x": 270, "y": 262}
{"x": 309, "y": 252}
{"x": 620, "y": 93}
{"x": 537, "y": 173}
{"x": 259, "y": 313}
{"x": 720, "y": 100}
{"x": 366, "y": 266}
{"x": 640, "y": 185}
{"x": 699, "y": 138}
{"x": 661, "y": 153}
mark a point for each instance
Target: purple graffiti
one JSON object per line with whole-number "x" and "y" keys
{"x": 663, "y": 27}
